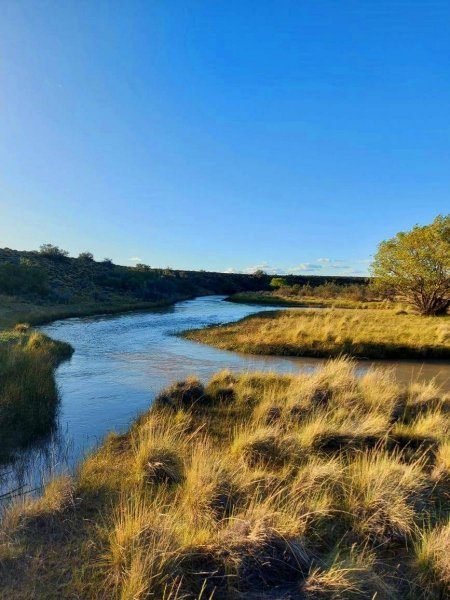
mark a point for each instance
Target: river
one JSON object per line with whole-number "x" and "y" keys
{"x": 121, "y": 362}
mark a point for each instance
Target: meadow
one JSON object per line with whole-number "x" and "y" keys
{"x": 377, "y": 333}
{"x": 260, "y": 486}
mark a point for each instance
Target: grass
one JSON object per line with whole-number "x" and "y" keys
{"x": 13, "y": 310}
{"x": 278, "y": 298}
{"x": 227, "y": 491}
{"x": 332, "y": 332}
{"x": 28, "y": 393}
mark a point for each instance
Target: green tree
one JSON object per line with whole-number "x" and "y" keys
{"x": 142, "y": 267}
{"x": 415, "y": 266}
{"x": 51, "y": 251}
{"x": 278, "y": 282}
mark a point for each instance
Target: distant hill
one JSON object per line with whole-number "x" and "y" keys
{"x": 58, "y": 279}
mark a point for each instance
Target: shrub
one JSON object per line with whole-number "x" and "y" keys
{"x": 278, "y": 282}
{"x": 86, "y": 256}
{"x": 23, "y": 277}
{"x": 51, "y": 251}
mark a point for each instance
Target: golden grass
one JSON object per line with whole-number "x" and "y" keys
{"x": 279, "y": 298}
{"x": 332, "y": 332}
{"x": 432, "y": 560}
{"x": 256, "y": 486}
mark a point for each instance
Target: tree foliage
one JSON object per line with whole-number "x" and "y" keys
{"x": 51, "y": 251}
{"x": 415, "y": 266}
{"x": 278, "y": 282}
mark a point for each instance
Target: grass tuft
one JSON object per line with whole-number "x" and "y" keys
{"x": 215, "y": 500}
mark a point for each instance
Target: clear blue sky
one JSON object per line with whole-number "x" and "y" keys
{"x": 223, "y": 134}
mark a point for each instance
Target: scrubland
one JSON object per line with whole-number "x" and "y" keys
{"x": 260, "y": 486}
{"x": 40, "y": 286}
{"x": 332, "y": 332}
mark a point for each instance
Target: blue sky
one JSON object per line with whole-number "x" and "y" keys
{"x": 224, "y": 135}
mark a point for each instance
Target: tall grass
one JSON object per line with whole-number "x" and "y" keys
{"x": 337, "y": 296}
{"x": 332, "y": 332}
{"x": 28, "y": 393}
{"x": 253, "y": 486}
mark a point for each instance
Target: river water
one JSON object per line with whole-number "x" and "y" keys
{"x": 121, "y": 362}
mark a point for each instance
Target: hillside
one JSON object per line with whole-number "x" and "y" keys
{"x": 36, "y": 286}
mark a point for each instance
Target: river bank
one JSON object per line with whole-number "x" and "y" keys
{"x": 368, "y": 334}
{"x": 28, "y": 359}
{"x": 14, "y": 311}
{"x": 28, "y": 391}
{"x": 283, "y": 300}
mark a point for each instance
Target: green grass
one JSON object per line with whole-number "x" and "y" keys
{"x": 13, "y": 311}
{"x": 245, "y": 489}
{"x": 332, "y": 332}
{"x": 28, "y": 393}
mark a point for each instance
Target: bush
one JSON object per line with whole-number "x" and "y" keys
{"x": 51, "y": 251}
{"x": 23, "y": 277}
{"x": 278, "y": 282}
{"x": 87, "y": 256}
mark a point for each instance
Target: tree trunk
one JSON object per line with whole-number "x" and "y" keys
{"x": 432, "y": 306}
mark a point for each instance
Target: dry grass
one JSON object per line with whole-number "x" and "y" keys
{"x": 333, "y": 332}
{"x": 283, "y": 297}
{"x": 255, "y": 486}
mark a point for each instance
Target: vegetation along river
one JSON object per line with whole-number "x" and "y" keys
{"x": 121, "y": 362}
